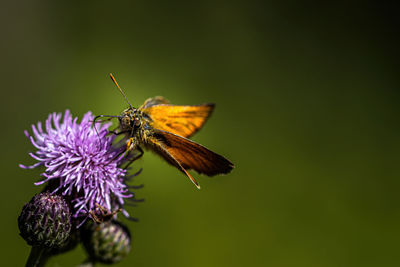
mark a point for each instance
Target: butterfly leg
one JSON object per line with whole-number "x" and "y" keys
{"x": 114, "y": 132}
{"x": 130, "y": 144}
{"x": 141, "y": 152}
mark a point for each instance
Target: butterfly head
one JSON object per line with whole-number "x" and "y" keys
{"x": 131, "y": 120}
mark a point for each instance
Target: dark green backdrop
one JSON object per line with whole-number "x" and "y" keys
{"x": 307, "y": 100}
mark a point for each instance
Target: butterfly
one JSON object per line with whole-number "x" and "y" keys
{"x": 165, "y": 129}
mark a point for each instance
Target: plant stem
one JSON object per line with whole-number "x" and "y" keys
{"x": 38, "y": 257}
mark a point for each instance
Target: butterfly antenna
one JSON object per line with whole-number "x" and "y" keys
{"x": 98, "y": 117}
{"x": 119, "y": 88}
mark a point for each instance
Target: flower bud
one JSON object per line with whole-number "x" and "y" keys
{"x": 69, "y": 244}
{"x": 45, "y": 221}
{"x": 107, "y": 242}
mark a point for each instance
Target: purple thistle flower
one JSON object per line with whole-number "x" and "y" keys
{"x": 83, "y": 163}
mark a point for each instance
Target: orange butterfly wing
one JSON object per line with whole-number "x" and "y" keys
{"x": 181, "y": 120}
{"x": 186, "y": 155}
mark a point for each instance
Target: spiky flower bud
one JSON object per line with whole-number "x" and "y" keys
{"x": 108, "y": 242}
{"x": 45, "y": 221}
{"x": 70, "y": 244}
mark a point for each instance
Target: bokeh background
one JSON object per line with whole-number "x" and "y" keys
{"x": 307, "y": 100}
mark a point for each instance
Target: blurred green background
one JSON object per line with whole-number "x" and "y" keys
{"x": 307, "y": 100}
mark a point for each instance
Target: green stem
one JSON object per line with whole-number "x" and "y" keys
{"x": 38, "y": 257}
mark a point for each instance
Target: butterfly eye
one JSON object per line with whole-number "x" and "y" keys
{"x": 137, "y": 122}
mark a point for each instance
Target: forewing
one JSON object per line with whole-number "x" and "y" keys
{"x": 181, "y": 120}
